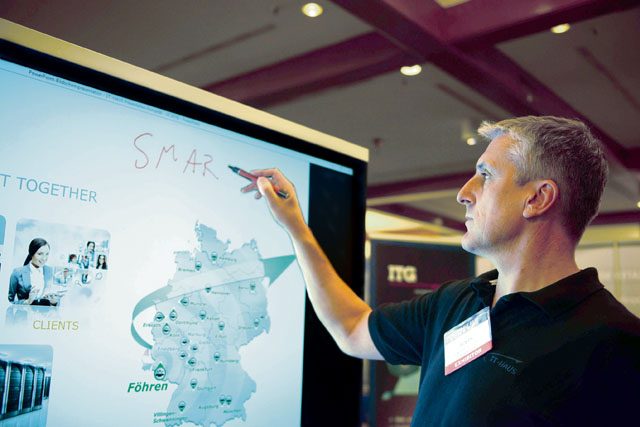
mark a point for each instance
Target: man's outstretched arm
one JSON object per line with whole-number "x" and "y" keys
{"x": 341, "y": 311}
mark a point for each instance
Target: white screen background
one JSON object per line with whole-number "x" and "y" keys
{"x": 61, "y": 135}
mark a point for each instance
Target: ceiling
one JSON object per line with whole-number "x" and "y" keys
{"x": 339, "y": 73}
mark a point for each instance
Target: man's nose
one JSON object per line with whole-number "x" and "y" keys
{"x": 464, "y": 196}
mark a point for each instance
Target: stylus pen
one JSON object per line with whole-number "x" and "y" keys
{"x": 251, "y": 177}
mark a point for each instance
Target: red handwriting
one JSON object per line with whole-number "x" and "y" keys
{"x": 143, "y": 143}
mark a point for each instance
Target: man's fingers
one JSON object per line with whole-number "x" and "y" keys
{"x": 249, "y": 187}
{"x": 266, "y": 189}
{"x": 268, "y": 173}
{"x": 273, "y": 174}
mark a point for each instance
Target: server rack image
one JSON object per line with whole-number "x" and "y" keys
{"x": 13, "y": 389}
{"x": 27, "y": 388}
{"x": 39, "y": 387}
{"x": 47, "y": 384}
{"x": 3, "y": 386}
{"x": 25, "y": 378}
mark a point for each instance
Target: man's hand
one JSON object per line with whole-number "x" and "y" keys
{"x": 287, "y": 211}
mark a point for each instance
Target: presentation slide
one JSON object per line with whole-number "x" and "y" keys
{"x": 140, "y": 286}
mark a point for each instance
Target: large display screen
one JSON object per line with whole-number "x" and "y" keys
{"x": 139, "y": 285}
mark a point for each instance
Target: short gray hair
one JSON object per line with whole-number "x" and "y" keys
{"x": 564, "y": 151}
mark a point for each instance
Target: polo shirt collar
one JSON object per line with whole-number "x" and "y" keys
{"x": 566, "y": 293}
{"x": 483, "y": 287}
{"x": 553, "y": 299}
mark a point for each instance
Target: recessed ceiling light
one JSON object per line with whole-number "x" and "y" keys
{"x": 638, "y": 204}
{"x": 559, "y": 29}
{"x": 312, "y": 10}
{"x": 471, "y": 141}
{"x": 412, "y": 70}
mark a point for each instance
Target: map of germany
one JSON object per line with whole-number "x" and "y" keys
{"x": 215, "y": 303}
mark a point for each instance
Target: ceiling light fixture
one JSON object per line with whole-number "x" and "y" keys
{"x": 412, "y": 70}
{"x": 559, "y": 29}
{"x": 471, "y": 141}
{"x": 312, "y": 10}
{"x": 638, "y": 205}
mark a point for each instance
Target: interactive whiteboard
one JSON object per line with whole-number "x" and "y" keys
{"x": 140, "y": 286}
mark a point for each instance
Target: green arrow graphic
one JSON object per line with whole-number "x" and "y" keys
{"x": 273, "y": 268}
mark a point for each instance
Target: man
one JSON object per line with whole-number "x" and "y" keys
{"x": 552, "y": 346}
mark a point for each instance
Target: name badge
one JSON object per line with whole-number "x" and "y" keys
{"x": 467, "y": 341}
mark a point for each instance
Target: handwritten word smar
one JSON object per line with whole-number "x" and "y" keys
{"x": 167, "y": 154}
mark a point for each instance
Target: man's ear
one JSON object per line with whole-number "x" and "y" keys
{"x": 544, "y": 194}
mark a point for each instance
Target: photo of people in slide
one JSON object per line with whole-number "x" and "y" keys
{"x": 53, "y": 262}
{"x": 25, "y": 378}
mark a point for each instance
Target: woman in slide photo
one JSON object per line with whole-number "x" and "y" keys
{"x": 32, "y": 283}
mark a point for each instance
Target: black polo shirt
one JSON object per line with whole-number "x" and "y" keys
{"x": 567, "y": 354}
